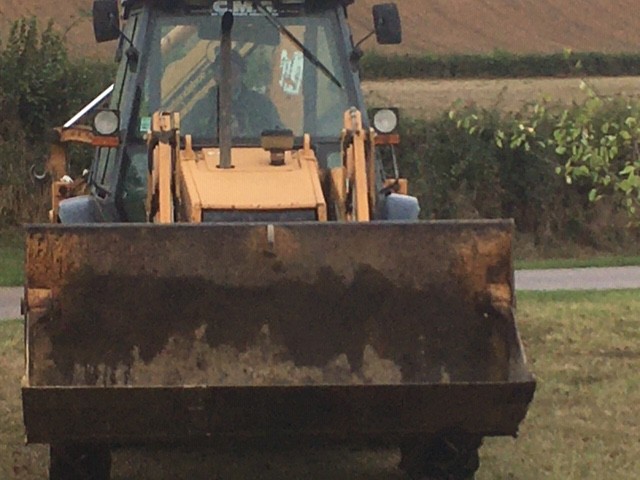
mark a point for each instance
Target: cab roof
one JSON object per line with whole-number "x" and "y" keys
{"x": 204, "y": 4}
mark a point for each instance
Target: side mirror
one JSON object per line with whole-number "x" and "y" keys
{"x": 106, "y": 20}
{"x": 388, "y": 27}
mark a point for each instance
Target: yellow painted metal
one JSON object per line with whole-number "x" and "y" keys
{"x": 164, "y": 139}
{"x": 63, "y": 189}
{"x": 56, "y": 197}
{"x": 56, "y": 166}
{"x": 191, "y": 206}
{"x": 193, "y": 178}
{"x": 164, "y": 184}
{"x": 253, "y": 183}
{"x": 357, "y": 165}
{"x": 338, "y": 192}
{"x": 371, "y": 168}
{"x": 401, "y": 185}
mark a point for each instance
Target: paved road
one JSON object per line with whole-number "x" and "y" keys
{"x": 10, "y": 302}
{"x": 612, "y": 278}
{"x": 544, "y": 280}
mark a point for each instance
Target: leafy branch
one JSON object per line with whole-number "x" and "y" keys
{"x": 595, "y": 143}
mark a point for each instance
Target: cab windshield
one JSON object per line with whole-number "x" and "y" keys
{"x": 274, "y": 85}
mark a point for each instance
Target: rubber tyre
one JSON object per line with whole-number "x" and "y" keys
{"x": 451, "y": 457}
{"x": 79, "y": 462}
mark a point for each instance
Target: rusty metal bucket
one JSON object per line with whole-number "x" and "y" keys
{"x": 339, "y": 332}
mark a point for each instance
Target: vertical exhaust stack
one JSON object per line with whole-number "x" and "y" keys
{"x": 225, "y": 92}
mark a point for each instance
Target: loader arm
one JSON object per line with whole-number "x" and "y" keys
{"x": 352, "y": 193}
{"x": 56, "y": 167}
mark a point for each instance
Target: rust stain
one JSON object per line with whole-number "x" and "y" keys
{"x": 39, "y": 300}
{"x": 50, "y": 258}
{"x": 436, "y": 306}
{"x": 484, "y": 267}
{"x": 483, "y": 263}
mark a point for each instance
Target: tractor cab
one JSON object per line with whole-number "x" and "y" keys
{"x": 291, "y": 66}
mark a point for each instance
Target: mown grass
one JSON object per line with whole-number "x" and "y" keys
{"x": 11, "y": 258}
{"x": 17, "y": 461}
{"x": 597, "y": 261}
{"x": 584, "y": 422}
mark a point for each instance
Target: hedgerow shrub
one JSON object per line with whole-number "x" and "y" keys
{"x": 40, "y": 88}
{"x": 537, "y": 166}
{"x": 20, "y": 199}
{"x": 478, "y": 163}
{"x": 499, "y": 64}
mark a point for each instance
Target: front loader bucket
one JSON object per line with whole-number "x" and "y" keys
{"x": 355, "y": 332}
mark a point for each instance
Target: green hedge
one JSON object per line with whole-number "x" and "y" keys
{"x": 40, "y": 88}
{"x": 499, "y": 64}
{"x": 458, "y": 174}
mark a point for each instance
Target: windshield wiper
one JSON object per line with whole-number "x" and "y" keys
{"x": 305, "y": 51}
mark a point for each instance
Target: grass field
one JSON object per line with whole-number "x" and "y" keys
{"x": 598, "y": 261}
{"x": 11, "y": 258}
{"x": 583, "y": 423}
{"x": 430, "y": 98}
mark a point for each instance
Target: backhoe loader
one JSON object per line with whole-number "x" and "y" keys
{"x": 243, "y": 263}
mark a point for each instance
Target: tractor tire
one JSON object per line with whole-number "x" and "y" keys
{"x": 79, "y": 462}
{"x": 445, "y": 457}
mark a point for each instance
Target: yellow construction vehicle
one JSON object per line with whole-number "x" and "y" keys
{"x": 239, "y": 268}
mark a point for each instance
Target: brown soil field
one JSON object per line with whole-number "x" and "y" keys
{"x": 429, "y": 98}
{"x": 524, "y": 26}
{"x": 441, "y": 26}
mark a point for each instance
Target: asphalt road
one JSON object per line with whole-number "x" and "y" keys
{"x": 10, "y": 302}
{"x": 541, "y": 280}
{"x": 612, "y": 278}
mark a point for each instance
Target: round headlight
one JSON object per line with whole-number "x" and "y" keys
{"x": 385, "y": 121}
{"x": 106, "y": 122}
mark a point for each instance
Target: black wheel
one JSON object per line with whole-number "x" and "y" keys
{"x": 444, "y": 457}
{"x": 79, "y": 462}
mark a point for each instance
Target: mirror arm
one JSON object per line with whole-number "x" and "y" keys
{"x": 357, "y": 53}
{"x": 364, "y": 39}
{"x": 132, "y": 52}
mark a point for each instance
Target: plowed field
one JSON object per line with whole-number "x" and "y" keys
{"x": 429, "y": 25}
